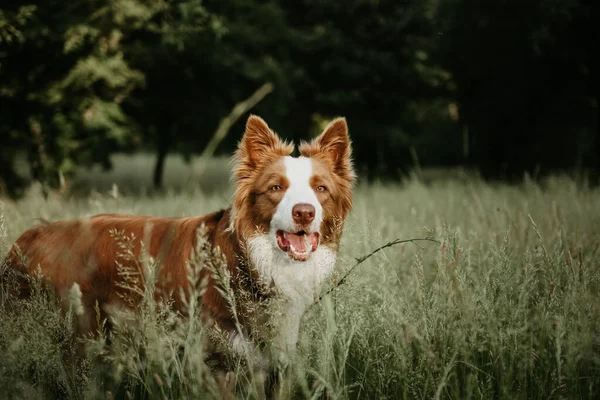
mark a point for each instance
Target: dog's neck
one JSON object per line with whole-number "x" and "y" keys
{"x": 298, "y": 282}
{"x": 272, "y": 271}
{"x": 288, "y": 286}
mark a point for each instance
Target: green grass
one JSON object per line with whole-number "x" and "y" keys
{"x": 507, "y": 306}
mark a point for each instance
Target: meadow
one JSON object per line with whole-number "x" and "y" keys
{"x": 505, "y": 305}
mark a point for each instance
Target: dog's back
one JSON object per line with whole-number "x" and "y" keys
{"x": 97, "y": 252}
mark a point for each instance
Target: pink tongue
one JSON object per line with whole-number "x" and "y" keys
{"x": 299, "y": 242}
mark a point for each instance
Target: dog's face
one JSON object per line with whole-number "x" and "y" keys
{"x": 300, "y": 202}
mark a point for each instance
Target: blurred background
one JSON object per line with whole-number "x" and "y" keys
{"x": 505, "y": 88}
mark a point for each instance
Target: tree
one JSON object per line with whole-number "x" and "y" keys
{"x": 207, "y": 57}
{"x": 521, "y": 72}
{"x": 370, "y": 61}
{"x": 65, "y": 78}
{"x": 507, "y": 87}
{"x": 173, "y": 108}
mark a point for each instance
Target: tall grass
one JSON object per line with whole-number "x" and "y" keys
{"x": 507, "y": 306}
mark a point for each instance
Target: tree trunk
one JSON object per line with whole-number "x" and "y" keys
{"x": 38, "y": 162}
{"x": 10, "y": 182}
{"x": 597, "y": 169}
{"x": 163, "y": 145}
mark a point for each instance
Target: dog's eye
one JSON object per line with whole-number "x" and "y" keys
{"x": 321, "y": 188}
{"x": 275, "y": 188}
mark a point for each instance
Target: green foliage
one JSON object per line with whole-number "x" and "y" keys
{"x": 525, "y": 77}
{"x": 506, "y": 87}
{"x": 64, "y": 81}
{"x": 506, "y": 307}
{"x": 96, "y": 78}
{"x": 371, "y": 62}
{"x": 13, "y": 21}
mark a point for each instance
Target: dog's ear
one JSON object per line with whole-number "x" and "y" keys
{"x": 333, "y": 145}
{"x": 259, "y": 144}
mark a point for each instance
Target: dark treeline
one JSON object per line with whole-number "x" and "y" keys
{"x": 506, "y": 87}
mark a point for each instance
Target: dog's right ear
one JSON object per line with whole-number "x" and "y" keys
{"x": 258, "y": 145}
{"x": 258, "y": 140}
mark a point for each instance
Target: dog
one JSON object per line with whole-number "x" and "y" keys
{"x": 279, "y": 240}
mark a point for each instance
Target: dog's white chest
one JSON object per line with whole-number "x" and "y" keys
{"x": 296, "y": 281}
{"x": 297, "y": 284}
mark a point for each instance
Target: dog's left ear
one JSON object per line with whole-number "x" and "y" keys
{"x": 334, "y": 145}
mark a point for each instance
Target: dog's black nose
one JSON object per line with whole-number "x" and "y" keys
{"x": 303, "y": 213}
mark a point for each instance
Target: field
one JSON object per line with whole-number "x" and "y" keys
{"x": 505, "y": 306}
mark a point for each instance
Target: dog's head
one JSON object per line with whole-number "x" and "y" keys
{"x": 301, "y": 202}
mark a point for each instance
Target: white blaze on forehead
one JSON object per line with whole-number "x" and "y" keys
{"x": 298, "y": 172}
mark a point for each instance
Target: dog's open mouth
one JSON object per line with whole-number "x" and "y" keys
{"x": 298, "y": 245}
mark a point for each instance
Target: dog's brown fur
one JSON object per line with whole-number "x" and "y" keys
{"x": 85, "y": 252}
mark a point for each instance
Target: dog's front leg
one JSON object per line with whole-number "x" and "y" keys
{"x": 283, "y": 347}
{"x": 226, "y": 384}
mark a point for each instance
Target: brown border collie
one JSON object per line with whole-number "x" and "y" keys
{"x": 280, "y": 239}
